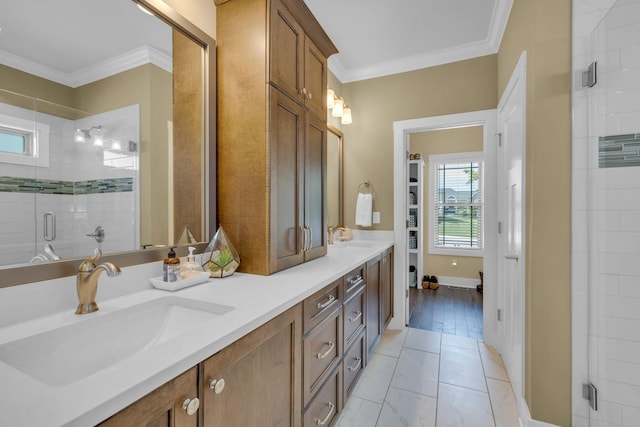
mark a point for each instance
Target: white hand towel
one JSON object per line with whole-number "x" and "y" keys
{"x": 364, "y": 207}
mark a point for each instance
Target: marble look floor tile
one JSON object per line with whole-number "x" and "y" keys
{"x": 420, "y": 339}
{"x": 462, "y": 407}
{"x": 503, "y": 402}
{"x": 376, "y": 378}
{"x": 492, "y": 363}
{"x": 391, "y": 342}
{"x": 458, "y": 341}
{"x": 417, "y": 371}
{"x": 359, "y": 413}
{"x": 462, "y": 367}
{"x": 407, "y": 409}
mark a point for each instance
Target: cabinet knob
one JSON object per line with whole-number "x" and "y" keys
{"x": 191, "y": 406}
{"x": 217, "y": 385}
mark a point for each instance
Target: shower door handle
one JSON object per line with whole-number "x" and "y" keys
{"x": 49, "y": 226}
{"x": 511, "y": 257}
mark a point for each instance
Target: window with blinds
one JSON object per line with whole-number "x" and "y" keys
{"x": 456, "y": 204}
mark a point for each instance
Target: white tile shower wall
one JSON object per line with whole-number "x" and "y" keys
{"x": 21, "y": 234}
{"x": 607, "y": 244}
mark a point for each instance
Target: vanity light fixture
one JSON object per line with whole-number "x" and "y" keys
{"x": 82, "y": 135}
{"x": 346, "y": 115}
{"x": 338, "y": 107}
{"x": 331, "y": 95}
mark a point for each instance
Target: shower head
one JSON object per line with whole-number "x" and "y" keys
{"x": 82, "y": 135}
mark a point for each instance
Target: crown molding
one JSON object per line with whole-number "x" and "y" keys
{"x": 135, "y": 58}
{"x": 489, "y": 46}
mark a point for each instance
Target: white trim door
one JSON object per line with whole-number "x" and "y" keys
{"x": 511, "y": 217}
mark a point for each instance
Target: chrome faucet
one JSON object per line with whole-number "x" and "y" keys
{"x": 87, "y": 281}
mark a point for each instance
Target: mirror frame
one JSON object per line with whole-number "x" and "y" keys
{"x": 68, "y": 267}
{"x": 337, "y": 132}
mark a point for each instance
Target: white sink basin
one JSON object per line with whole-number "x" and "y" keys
{"x": 70, "y": 353}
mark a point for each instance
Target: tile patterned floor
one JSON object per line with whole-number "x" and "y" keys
{"x": 418, "y": 378}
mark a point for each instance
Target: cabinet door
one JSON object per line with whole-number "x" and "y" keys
{"x": 315, "y": 194}
{"x": 262, "y": 377}
{"x": 286, "y": 181}
{"x": 373, "y": 303}
{"x": 386, "y": 289}
{"x": 163, "y": 406}
{"x": 315, "y": 80}
{"x": 286, "y": 55}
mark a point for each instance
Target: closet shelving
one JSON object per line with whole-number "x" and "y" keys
{"x": 415, "y": 215}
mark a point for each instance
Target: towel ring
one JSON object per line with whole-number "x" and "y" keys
{"x": 368, "y": 187}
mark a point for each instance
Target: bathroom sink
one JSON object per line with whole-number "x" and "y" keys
{"x": 70, "y": 353}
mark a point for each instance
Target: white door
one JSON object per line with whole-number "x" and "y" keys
{"x": 511, "y": 168}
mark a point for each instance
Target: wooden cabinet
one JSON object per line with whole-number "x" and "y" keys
{"x": 379, "y": 296}
{"x": 165, "y": 406}
{"x": 272, "y": 80}
{"x": 386, "y": 288}
{"x": 297, "y": 67}
{"x": 256, "y": 380}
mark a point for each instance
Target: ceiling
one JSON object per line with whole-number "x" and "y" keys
{"x": 374, "y": 37}
{"x": 74, "y": 42}
{"x": 382, "y": 37}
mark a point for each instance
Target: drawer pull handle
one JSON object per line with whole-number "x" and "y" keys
{"x": 358, "y": 315}
{"x": 355, "y": 368}
{"x": 217, "y": 386}
{"x": 355, "y": 280}
{"x": 191, "y": 406}
{"x": 321, "y": 422}
{"x": 331, "y": 345}
{"x": 329, "y": 301}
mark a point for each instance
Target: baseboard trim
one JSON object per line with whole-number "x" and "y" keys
{"x": 459, "y": 282}
{"x": 525, "y": 416}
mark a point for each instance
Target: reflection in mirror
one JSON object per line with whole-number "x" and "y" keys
{"x": 334, "y": 177}
{"x": 107, "y": 130}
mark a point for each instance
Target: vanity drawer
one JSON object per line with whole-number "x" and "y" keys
{"x": 326, "y": 405}
{"x": 353, "y": 364}
{"x": 322, "y": 352}
{"x": 353, "y": 280}
{"x": 354, "y": 315}
{"x": 320, "y": 304}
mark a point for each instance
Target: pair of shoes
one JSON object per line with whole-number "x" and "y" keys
{"x": 433, "y": 279}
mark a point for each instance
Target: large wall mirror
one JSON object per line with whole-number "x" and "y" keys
{"x": 335, "y": 197}
{"x": 107, "y": 134}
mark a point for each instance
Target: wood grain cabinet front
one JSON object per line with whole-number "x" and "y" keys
{"x": 174, "y": 404}
{"x": 272, "y": 132}
{"x": 354, "y": 363}
{"x": 326, "y": 405}
{"x": 256, "y": 380}
{"x": 354, "y": 315}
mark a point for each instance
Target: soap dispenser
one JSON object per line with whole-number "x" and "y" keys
{"x": 171, "y": 267}
{"x": 190, "y": 268}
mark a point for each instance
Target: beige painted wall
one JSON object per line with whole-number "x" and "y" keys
{"x": 543, "y": 28}
{"x": 376, "y": 103}
{"x": 444, "y": 142}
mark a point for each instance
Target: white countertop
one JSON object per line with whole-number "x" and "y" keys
{"x": 256, "y": 299}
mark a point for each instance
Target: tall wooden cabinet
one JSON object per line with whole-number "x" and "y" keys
{"x": 272, "y": 78}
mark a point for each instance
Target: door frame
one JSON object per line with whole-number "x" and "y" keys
{"x": 401, "y": 132}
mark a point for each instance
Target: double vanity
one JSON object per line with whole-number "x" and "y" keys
{"x": 286, "y": 347}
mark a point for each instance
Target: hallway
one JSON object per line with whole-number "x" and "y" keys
{"x": 418, "y": 378}
{"x": 450, "y": 310}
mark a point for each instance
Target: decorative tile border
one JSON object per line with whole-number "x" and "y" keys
{"x": 619, "y": 150}
{"x": 47, "y": 186}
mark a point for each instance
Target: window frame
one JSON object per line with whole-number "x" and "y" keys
{"x": 434, "y": 161}
{"x": 38, "y": 152}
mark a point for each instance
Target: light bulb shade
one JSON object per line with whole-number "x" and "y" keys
{"x": 97, "y": 137}
{"x": 338, "y": 108}
{"x": 346, "y": 116}
{"x": 330, "y": 98}
{"x": 79, "y": 136}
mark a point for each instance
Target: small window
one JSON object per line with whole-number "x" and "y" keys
{"x": 23, "y": 141}
{"x": 15, "y": 141}
{"x": 456, "y": 204}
